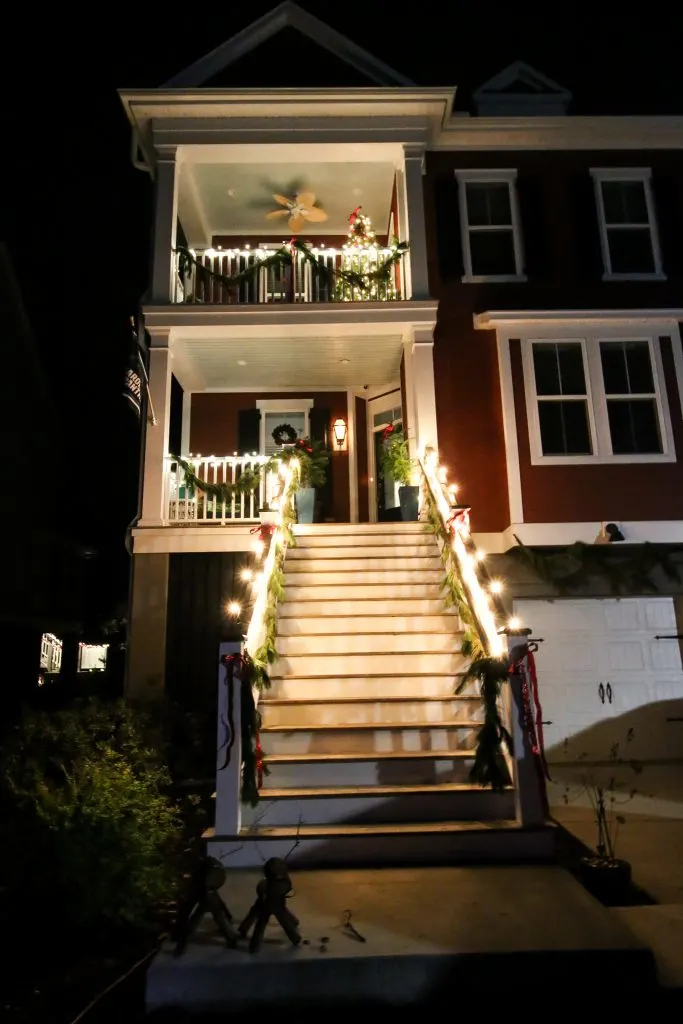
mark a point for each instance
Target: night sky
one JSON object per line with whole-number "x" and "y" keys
{"x": 76, "y": 215}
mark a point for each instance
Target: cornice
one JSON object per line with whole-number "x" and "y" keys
{"x": 516, "y": 133}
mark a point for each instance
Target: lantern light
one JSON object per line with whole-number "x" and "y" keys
{"x": 339, "y": 430}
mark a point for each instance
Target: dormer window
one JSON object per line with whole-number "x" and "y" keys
{"x": 490, "y": 226}
{"x": 628, "y": 228}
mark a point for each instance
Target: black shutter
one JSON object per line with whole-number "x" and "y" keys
{"x": 533, "y": 229}
{"x": 248, "y": 431}
{"x": 583, "y": 213}
{"x": 668, "y": 208}
{"x": 319, "y": 426}
{"x": 175, "y": 429}
{"x": 448, "y": 244}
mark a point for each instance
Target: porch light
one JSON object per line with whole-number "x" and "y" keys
{"x": 339, "y": 429}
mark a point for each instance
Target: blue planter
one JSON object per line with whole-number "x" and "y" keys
{"x": 305, "y": 504}
{"x": 409, "y": 499}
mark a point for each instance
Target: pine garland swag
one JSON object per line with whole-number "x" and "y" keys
{"x": 487, "y": 769}
{"x": 247, "y": 482}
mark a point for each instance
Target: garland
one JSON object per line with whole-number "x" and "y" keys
{"x": 571, "y": 569}
{"x": 247, "y": 482}
{"x": 313, "y": 458}
{"x": 285, "y": 256}
{"x": 490, "y": 672}
{"x": 284, "y": 434}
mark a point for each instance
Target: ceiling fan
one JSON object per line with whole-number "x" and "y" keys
{"x": 299, "y": 210}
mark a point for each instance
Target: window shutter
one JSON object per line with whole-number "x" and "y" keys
{"x": 248, "y": 431}
{"x": 533, "y": 229}
{"x": 319, "y": 425}
{"x": 584, "y": 215}
{"x": 448, "y": 243}
{"x": 668, "y": 210}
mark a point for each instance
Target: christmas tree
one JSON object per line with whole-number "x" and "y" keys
{"x": 362, "y": 255}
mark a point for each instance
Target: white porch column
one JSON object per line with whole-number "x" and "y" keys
{"x": 156, "y": 434}
{"x": 414, "y": 220}
{"x": 185, "y": 425}
{"x": 165, "y": 220}
{"x": 529, "y": 802}
{"x": 424, "y": 397}
{"x": 353, "y": 455}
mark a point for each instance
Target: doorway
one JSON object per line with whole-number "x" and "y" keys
{"x": 384, "y": 502}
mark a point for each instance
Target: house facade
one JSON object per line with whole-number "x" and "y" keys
{"x": 528, "y": 333}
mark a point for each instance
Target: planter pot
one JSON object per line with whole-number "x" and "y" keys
{"x": 268, "y": 515}
{"x": 608, "y": 880}
{"x": 409, "y": 498}
{"x": 305, "y": 504}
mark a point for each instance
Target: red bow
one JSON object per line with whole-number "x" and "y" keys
{"x": 264, "y": 530}
{"x": 354, "y": 215}
{"x": 459, "y": 519}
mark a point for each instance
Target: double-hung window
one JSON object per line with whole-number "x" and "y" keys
{"x": 598, "y": 398}
{"x": 490, "y": 225}
{"x": 627, "y": 222}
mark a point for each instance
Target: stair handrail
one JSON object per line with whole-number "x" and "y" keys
{"x": 290, "y": 473}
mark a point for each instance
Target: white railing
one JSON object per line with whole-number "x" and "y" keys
{"x": 187, "y": 504}
{"x": 289, "y": 282}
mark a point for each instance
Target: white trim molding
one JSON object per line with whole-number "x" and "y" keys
{"x": 518, "y": 318}
{"x": 282, "y": 405}
{"x": 507, "y": 396}
{"x": 627, "y": 176}
{"x": 561, "y": 534}
{"x": 508, "y": 177}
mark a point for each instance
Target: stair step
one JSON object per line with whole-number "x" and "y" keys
{"x": 370, "y": 712}
{"x": 370, "y": 738}
{"x": 399, "y": 563}
{"x": 443, "y": 842}
{"x": 405, "y": 549}
{"x": 340, "y": 579}
{"x": 355, "y": 664}
{"x": 377, "y": 686}
{"x": 325, "y": 625}
{"x": 368, "y": 768}
{"x": 331, "y": 609}
{"x": 344, "y": 644}
{"x": 299, "y": 591}
{"x": 312, "y": 530}
{"x": 378, "y": 805}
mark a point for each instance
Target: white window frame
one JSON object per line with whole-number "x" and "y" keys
{"x": 597, "y": 399}
{"x": 491, "y": 177}
{"x": 283, "y": 405}
{"x": 643, "y": 175}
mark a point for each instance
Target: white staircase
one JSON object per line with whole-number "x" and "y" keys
{"x": 368, "y": 748}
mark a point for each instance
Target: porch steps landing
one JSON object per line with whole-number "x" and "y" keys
{"x": 368, "y": 747}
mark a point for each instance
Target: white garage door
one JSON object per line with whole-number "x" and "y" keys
{"x": 601, "y": 673}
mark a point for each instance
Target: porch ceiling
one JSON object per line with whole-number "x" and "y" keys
{"x": 254, "y": 363}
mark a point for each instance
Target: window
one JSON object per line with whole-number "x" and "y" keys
{"x": 628, "y": 230}
{"x": 491, "y": 235}
{"x": 596, "y": 399}
{"x": 50, "y": 653}
{"x": 92, "y": 657}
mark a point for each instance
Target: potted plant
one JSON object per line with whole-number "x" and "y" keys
{"x": 396, "y": 463}
{"x": 313, "y": 458}
{"x": 603, "y": 874}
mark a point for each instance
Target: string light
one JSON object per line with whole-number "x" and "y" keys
{"x": 258, "y": 547}
{"x": 496, "y": 586}
{"x": 234, "y": 608}
{"x": 514, "y": 623}
{"x": 452, "y": 490}
{"x": 246, "y": 575}
{"x": 480, "y": 555}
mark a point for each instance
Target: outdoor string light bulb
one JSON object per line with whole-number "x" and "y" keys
{"x": 480, "y": 555}
{"x": 258, "y": 547}
{"x": 452, "y": 490}
{"x": 496, "y": 586}
{"x": 246, "y": 575}
{"x": 234, "y": 608}
{"x": 443, "y": 474}
{"x": 515, "y": 623}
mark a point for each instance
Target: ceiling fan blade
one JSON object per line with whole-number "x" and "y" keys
{"x": 274, "y": 214}
{"x": 306, "y": 199}
{"x": 282, "y": 200}
{"x": 315, "y": 215}
{"x": 296, "y": 223}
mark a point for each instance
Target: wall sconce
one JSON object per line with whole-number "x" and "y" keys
{"x": 339, "y": 430}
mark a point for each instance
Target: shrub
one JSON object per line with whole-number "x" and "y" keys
{"x": 90, "y": 828}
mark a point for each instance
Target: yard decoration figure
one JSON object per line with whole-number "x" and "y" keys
{"x": 271, "y": 896}
{"x": 203, "y": 898}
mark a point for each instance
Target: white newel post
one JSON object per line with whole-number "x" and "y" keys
{"x": 414, "y": 219}
{"x": 424, "y": 397}
{"x": 165, "y": 221}
{"x": 228, "y": 761}
{"x": 154, "y": 510}
{"x": 529, "y": 802}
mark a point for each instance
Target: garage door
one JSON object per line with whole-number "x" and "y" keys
{"x": 601, "y": 673}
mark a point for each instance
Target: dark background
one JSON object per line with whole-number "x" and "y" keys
{"x": 76, "y": 215}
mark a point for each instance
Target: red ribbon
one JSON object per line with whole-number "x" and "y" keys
{"x": 533, "y": 716}
{"x": 353, "y": 215}
{"x": 461, "y": 518}
{"x": 264, "y": 530}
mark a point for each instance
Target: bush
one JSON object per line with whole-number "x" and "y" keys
{"x": 90, "y": 828}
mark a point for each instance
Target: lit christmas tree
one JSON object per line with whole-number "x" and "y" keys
{"x": 362, "y": 255}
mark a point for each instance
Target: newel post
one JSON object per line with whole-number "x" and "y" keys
{"x": 530, "y": 797}
{"x": 228, "y": 748}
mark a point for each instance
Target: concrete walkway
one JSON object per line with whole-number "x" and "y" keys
{"x": 430, "y": 933}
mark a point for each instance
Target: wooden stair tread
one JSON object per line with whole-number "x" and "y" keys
{"x": 363, "y": 700}
{"x": 366, "y": 675}
{"x": 371, "y": 755}
{"x": 375, "y": 726}
{"x": 383, "y": 632}
{"x": 350, "y": 791}
{"x": 430, "y": 828}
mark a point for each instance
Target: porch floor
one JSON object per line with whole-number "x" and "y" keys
{"x": 430, "y": 933}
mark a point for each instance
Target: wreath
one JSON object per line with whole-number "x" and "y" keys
{"x": 284, "y": 434}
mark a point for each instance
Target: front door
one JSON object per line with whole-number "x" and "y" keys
{"x": 382, "y": 411}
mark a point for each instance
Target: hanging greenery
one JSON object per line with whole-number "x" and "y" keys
{"x": 487, "y": 769}
{"x": 323, "y": 273}
{"x": 312, "y": 457}
{"x": 248, "y": 481}
{"x": 625, "y": 571}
